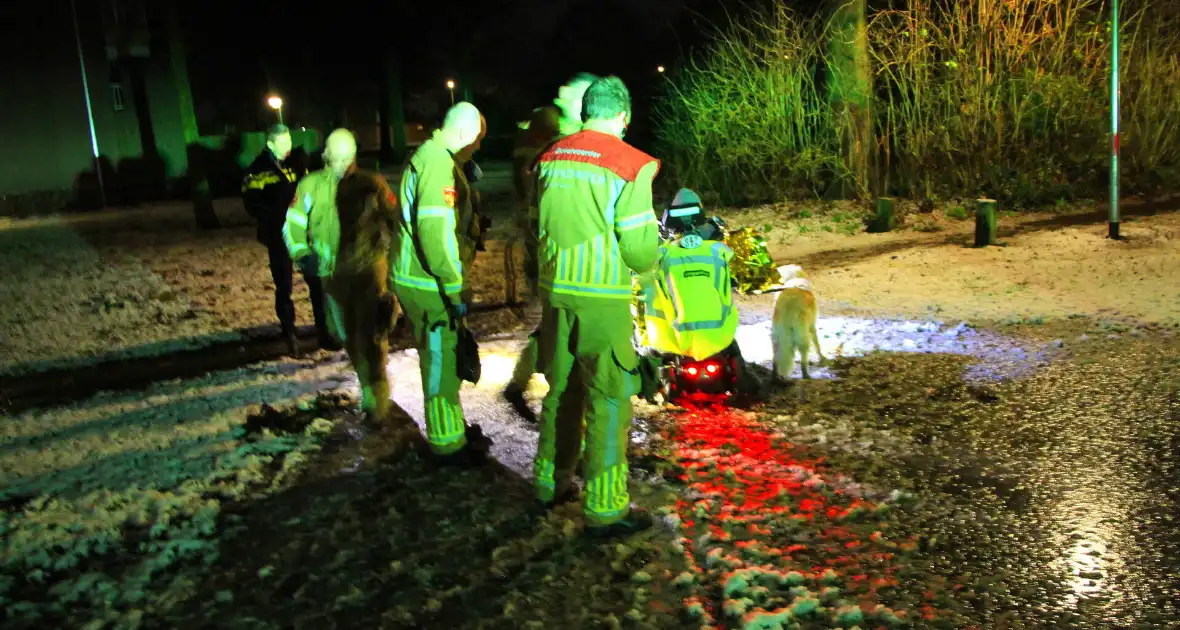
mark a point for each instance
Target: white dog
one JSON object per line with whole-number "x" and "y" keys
{"x": 793, "y": 329}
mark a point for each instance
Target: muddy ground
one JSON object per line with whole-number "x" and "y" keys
{"x": 972, "y": 456}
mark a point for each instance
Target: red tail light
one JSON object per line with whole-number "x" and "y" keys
{"x": 711, "y": 368}
{"x": 692, "y": 370}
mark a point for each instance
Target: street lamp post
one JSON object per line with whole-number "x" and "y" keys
{"x": 451, "y": 89}
{"x": 102, "y": 192}
{"x": 660, "y": 69}
{"x": 1113, "y": 225}
{"x": 276, "y": 104}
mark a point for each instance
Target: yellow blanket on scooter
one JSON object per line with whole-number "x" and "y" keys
{"x": 687, "y": 300}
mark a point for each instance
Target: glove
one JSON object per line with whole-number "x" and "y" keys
{"x": 309, "y": 265}
{"x": 458, "y": 311}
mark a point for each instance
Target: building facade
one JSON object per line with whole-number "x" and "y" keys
{"x": 86, "y": 84}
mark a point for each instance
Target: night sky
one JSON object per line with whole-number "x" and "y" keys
{"x": 322, "y": 56}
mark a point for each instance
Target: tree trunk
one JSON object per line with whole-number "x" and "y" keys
{"x": 393, "y": 115}
{"x": 197, "y": 173}
{"x": 849, "y": 84}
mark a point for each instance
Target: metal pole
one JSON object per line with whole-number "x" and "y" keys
{"x": 89, "y": 109}
{"x": 280, "y": 114}
{"x": 1114, "y": 121}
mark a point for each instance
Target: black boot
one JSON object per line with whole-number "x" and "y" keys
{"x": 514, "y": 394}
{"x": 637, "y": 520}
{"x": 328, "y": 342}
{"x": 475, "y": 453}
{"x": 569, "y": 495}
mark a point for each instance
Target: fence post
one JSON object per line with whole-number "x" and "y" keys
{"x": 985, "y": 222}
{"x": 884, "y": 219}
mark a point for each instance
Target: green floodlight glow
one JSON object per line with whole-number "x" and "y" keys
{"x": 85, "y": 82}
{"x": 1113, "y": 228}
{"x": 89, "y": 108}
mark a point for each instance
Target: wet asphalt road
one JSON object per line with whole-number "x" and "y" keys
{"x": 1091, "y": 447}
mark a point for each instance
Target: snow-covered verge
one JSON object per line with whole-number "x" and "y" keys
{"x": 104, "y": 499}
{"x": 145, "y": 282}
{"x": 1049, "y": 265}
{"x": 63, "y": 300}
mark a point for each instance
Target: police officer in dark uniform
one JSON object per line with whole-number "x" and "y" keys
{"x": 267, "y": 191}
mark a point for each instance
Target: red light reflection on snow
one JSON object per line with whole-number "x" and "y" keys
{"x": 756, "y": 508}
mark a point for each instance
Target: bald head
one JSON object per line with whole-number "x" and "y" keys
{"x": 464, "y": 126}
{"x": 340, "y": 151}
{"x": 569, "y": 97}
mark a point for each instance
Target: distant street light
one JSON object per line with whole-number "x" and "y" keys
{"x": 451, "y": 88}
{"x": 276, "y": 104}
{"x": 660, "y": 69}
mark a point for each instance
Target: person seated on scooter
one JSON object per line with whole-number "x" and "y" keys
{"x": 689, "y": 310}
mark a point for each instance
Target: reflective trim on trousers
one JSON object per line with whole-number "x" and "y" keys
{"x": 435, "y": 356}
{"x": 445, "y": 428}
{"x": 336, "y": 319}
{"x": 543, "y": 473}
{"x": 607, "y": 496}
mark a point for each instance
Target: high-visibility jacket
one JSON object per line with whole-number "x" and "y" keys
{"x": 689, "y": 307}
{"x": 434, "y": 187}
{"x": 596, "y": 219}
{"x": 312, "y": 225}
{"x": 547, "y": 124}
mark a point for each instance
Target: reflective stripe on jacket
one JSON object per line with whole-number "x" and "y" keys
{"x": 267, "y": 189}
{"x": 692, "y": 300}
{"x": 312, "y": 224}
{"x": 596, "y": 223}
{"x": 429, "y": 186}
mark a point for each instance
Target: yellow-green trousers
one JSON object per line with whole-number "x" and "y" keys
{"x": 526, "y": 365}
{"x": 354, "y": 303}
{"x": 587, "y": 357}
{"x": 436, "y": 340}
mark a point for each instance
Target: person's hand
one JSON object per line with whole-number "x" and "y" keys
{"x": 309, "y": 265}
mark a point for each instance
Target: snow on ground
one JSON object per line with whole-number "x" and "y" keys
{"x": 180, "y": 436}
{"x": 146, "y": 281}
{"x": 62, "y": 298}
{"x": 855, "y": 336}
{"x": 150, "y": 438}
{"x": 1049, "y": 265}
{"x": 515, "y": 440}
